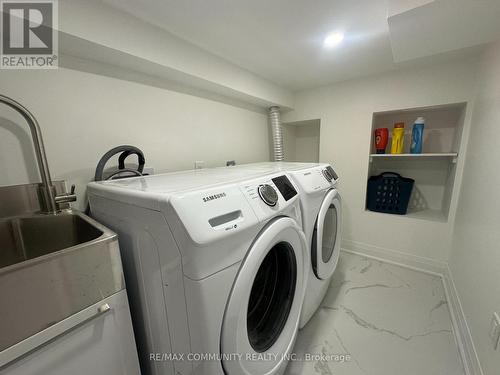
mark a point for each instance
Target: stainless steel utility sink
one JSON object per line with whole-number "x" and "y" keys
{"x": 52, "y": 266}
{"x": 25, "y": 238}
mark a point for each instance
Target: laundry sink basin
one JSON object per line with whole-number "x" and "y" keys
{"x": 25, "y": 238}
{"x": 52, "y": 266}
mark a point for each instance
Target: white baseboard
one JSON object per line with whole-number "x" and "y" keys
{"x": 461, "y": 330}
{"x": 414, "y": 262}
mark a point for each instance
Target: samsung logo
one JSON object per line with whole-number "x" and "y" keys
{"x": 214, "y": 196}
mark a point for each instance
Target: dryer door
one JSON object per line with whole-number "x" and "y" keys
{"x": 262, "y": 314}
{"x": 325, "y": 246}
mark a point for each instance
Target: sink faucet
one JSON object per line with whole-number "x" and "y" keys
{"x": 49, "y": 201}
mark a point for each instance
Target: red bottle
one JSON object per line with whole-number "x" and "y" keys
{"x": 381, "y": 139}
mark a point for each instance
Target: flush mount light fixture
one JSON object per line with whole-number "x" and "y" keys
{"x": 333, "y": 39}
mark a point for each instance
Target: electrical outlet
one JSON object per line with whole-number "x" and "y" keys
{"x": 199, "y": 164}
{"x": 495, "y": 330}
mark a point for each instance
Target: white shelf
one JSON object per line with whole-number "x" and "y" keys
{"x": 427, "y": 214}
{"x": 434, "y": 170}
{"x": 452, "y": 155}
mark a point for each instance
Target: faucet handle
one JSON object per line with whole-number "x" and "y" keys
{"x": 67, "y": 197}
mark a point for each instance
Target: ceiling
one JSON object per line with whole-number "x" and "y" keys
{"x": 282, "y": 40}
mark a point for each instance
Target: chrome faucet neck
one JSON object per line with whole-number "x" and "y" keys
{"x": 47, "y": 191}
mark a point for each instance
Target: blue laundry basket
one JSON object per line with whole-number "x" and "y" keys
{"x": 389, "y": 193}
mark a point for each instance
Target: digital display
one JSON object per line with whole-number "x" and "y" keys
{"x": 285, "y": 187}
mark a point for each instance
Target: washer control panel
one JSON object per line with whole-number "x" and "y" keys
{"x": 270, "y": 195}
{"x": 213, "y": 212}
{"x": 315, "y": 179}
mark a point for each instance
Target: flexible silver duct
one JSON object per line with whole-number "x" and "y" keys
{"x": 277, "y": 134}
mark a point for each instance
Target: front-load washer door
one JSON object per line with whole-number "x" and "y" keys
{"x": 262, "y": 313}
{"x": 325, "y": 245}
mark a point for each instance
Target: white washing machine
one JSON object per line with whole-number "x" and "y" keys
{"x": 215, "y": 263}
{"x": 322, "y": 221}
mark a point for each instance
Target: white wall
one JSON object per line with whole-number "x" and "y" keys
{"x": 345, "y": 110}
{"x": 83, "y": 115}
{"x": 99, "y": 32}
{"x": 307, "y": 143}
{"x": 301, "y": 141}
{"x": 475, "y": 257}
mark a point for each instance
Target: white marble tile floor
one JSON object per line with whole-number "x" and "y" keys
{"x": 390, "y": 320}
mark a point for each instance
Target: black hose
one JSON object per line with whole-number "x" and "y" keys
{"x": 125, "y": 150}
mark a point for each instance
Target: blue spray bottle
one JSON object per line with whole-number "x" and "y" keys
{"x": 417, "y": 136}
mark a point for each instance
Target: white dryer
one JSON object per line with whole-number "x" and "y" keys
{"x": 215, "y": 264}
{"x": 321, "y": 219}
{"x": 322, "y": 223}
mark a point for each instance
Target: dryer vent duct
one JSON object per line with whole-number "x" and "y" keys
{"x": 277, "y": 134}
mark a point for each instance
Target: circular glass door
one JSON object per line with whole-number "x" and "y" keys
{"x": 325, "y": 246}
{"x": 263, "y": 310}
{"x": 329, "y": 233}
{"x": 271, "y": 297}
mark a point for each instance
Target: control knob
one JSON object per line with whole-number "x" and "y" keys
{"x": 268, "y": 195}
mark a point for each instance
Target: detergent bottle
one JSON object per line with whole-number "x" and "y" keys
{"x": 398, "y": 134}
{"x": 417, "y": 136}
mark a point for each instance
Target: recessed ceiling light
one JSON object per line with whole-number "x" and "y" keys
{"x": 333, "y": 39}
